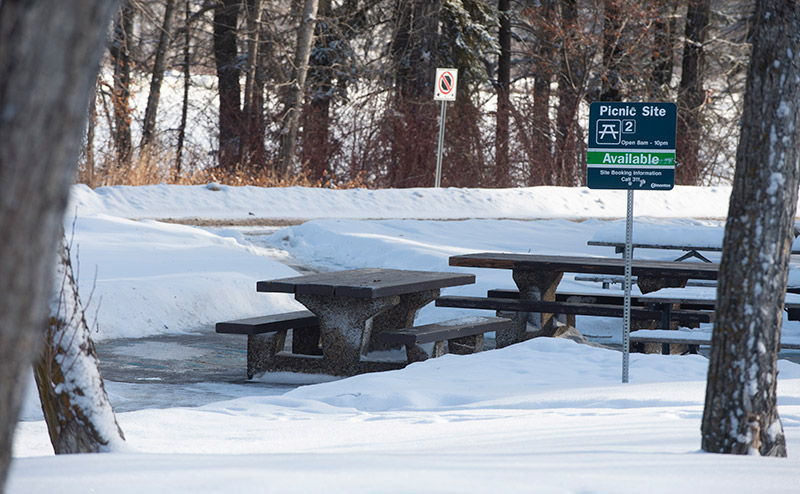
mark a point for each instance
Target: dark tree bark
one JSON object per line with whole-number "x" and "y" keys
{"x": 226, "y": 15}
{"x": 541, "y": 167}
{"x": 414, "y": 47}
{"x": 253, "y": 134}
{"x": 502, "y": 168}
{"x": 612, "y": 51}
{"x": 49, "y": 54}
{"x": 664, "y": 33}
{"x": 692, "y": 95}
{"x": 317, "y": 118}
{"x": 121, "y": 59}
{"x": 159, "y": 65}
{"x": 569, "y": 95}
{"x": 740, "y": 414}
{"x": 411, "y": 124}
{"x": 187, "y": 81}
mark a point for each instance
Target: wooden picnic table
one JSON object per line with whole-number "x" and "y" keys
{"x": 537, "y": 278}
{"x": 690, "y": 250}
{"x": 353, "y": 306}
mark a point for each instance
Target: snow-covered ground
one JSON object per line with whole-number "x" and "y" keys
{"x": 541, "y": 416}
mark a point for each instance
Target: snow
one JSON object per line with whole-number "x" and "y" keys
{"x": 547, "y": 415}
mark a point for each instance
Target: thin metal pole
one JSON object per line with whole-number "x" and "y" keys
{"x": 441, "y": 144}
{"x": 626, "y": 321}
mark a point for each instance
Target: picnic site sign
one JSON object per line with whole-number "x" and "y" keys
{"x": 631, "y": 146}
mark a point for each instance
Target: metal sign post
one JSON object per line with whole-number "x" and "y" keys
{"x": 442, "y": 115}
{"x": 631, "y": 147}
{"x": 626, "y": 308}
{"x": 445, "y": 90}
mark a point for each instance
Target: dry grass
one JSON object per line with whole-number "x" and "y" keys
{"x": 156, "y": 167}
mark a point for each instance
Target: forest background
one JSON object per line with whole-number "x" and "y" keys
{"x": 339, "y": 93}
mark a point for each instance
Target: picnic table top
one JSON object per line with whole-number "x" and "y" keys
{"x": 656, "y": 245}
{"x": 581, "y": 264}
{"x": 672, "y": 246}
{"x": 366, "y": 283}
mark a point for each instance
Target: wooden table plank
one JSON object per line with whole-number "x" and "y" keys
{"x": 366, "y": 283}
{"x": 577, "y": 264}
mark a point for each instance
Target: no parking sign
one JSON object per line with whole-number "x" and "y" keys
{"x": 445, "y": 87}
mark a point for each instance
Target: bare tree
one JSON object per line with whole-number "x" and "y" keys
{"x": 226, "y": 16}
{"x": 121, "y": 60}
{"x": 740, "y": 414}
{"x": 294, "y": 99}
{"x": 691, "y": 94}
{"x": 49, "y": 53}
{"x": 159, "y": 65}
{"x": 75, "y": 405}
{"x": 502, "y": 168}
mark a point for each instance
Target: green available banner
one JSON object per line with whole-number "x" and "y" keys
{"x": 638, "y": 158}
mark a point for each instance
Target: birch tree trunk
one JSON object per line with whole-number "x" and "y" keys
{"x": 294, "y": 101}
{"x": 75, "y": 405}
{"x": 49, "y": 54}
{"x": 740, "y": 415}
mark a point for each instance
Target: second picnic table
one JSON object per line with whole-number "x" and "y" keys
{"x": 538, "y": 276}
{"x": 355, "y": 305}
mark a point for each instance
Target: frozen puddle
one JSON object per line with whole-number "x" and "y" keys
{"x": 160, "y": 351}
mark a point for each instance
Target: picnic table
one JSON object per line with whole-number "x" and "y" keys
{"x": 689, "y": 250}
{"x": 693, "y": 241}
{"x": 537, "y": 278}
{"x": 354, "y": 306}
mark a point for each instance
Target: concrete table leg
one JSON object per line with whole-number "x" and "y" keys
{"x": 261, "y": 349}
{"x": 346, "y": 326}
{"x": 533, "y": 285}
{"x": 399, "y": 316}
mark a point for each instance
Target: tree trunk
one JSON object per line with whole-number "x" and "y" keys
{"x": 90, "y": 131}
{"x": 149, "y": 126}
{"x": 76, "y": 409}
{"x": 502, "y": 169}
{"x": 253, "y": 145}
{"x": 317, "y": 118}
{"x": 226, "y": 14}
{"x": 294, "y": 101}
{"x": 569, "y": 83}
{"x": 740, "y": 414}
{"x": 691, "y": 95}
{"x": 541, "y": 159}
{"x": 612, "y": 51}
{"x": 187, "y": 80}
{"x": 664, "y": 30}
{"x": 121, "y": 59}
{"x": 49, "y": 54}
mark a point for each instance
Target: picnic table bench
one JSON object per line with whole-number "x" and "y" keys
{"x": 692, "y": 310}
{"x": 692, "y": 339}
{"x": 463, "y": 335}
{"x": 261, "y": 350}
